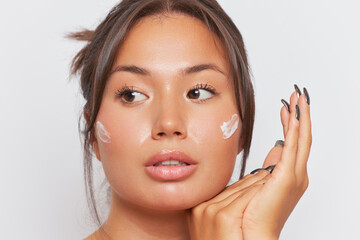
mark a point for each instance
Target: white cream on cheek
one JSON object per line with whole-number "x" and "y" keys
{"x": 101, "y": 132}
{"x": 228, "y": 128}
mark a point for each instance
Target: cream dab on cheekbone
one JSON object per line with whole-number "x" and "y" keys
{"x": 103, "y": 135}
{"x": 228, "y": 128}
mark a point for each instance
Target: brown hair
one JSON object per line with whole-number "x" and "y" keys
{"x": 95, "y": 60}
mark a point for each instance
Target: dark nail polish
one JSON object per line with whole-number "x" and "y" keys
{"x": 307, "y": 97}
{"x": 297, "y": 90}
{"x": 297, "y": 112}
{"x": 279, "y": 143}
{"x": 256, "y": 170}
{"x": 270, "y": 168}
{"x": 286, "y": 104}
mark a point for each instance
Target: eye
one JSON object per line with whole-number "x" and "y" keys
{"x": 201, "y": 92}
{"x": 128, "y": 95}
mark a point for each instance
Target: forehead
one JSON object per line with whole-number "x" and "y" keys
{"x": 169, "y": 41}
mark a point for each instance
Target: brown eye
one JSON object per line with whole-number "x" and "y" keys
{"x": 199, "y": 94}
{"x": 129, "y": 96}
{"x": 194, "y": 94}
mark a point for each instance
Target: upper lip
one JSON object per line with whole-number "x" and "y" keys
{"x": 165, "y": 155}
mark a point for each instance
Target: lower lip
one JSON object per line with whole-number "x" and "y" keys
{"x": 170, "y": 173}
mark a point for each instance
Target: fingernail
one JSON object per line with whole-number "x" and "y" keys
{"x": 286, "y": 104}
{"x": 307, "y": 97}
{"x": 256, "y": 170}
{"x": 297, "y": 112}
{"x": 270, "y": 168}
{"x": 297, "y": 90}
{"x": 279, "y": 143}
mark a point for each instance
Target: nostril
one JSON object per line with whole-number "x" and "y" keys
{"x": 161, "y": 134}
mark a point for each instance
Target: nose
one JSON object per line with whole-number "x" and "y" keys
{"x": 169, "y": 120}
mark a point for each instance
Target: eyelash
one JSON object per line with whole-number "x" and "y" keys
{"x": 126, "y": 89}
{"x": 206, "y": 87}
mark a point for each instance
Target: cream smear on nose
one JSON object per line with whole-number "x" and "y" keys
{"x": 103, "y": 135}
{"x": 228, "y": 128}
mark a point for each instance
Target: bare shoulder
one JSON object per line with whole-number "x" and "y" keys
{"x": 94, "y": 236}
{"x": 90, "y": 237}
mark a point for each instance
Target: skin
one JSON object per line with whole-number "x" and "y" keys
{"x": 258, "y": 206}
{"x": 164, "y": 117}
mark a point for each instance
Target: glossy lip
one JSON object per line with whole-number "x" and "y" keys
{"x": 167, "y": 173}
{"x": 165, "y": 155}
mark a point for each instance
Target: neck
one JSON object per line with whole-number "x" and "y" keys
{"x": 128, "y": 221}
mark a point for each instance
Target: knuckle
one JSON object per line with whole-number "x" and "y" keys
{"x": 292, "y": 145}
{"x": 222, "y": 217}
{"x": 305, "y": 184}
{"x": 197, "y": 211}
{"x": 210, "y": 210}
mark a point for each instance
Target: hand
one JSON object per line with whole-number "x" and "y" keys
{"x": 221, "y": 217}
{"x": 250, "y": 209}
{"x": 268, "y": 210}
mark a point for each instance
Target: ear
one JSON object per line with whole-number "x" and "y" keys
{"x": 93, "y": 140}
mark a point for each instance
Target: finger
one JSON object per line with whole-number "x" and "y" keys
{"x": 284, "y": 116}
{"x": 274, "y": 155}
{"x": 288, "y": 157}
{"x": 241, "y": 184}
{"x": 305, "y": 138}
{"x": 226, "y": 201}
{"x": 249, "y": 179}
{"x": 236, "y": 206}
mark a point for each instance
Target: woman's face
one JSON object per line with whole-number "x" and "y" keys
{"x": 160, "y": 110}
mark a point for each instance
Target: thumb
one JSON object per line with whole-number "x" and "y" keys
{"x": 274, "y": 155}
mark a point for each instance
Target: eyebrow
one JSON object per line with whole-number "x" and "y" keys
{"x": 185, "y": 71}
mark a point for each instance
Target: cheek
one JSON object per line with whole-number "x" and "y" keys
{"x": 122, "y": 159}
{"x": 102, "y": 134}
{"x": 228, "y": 128}
{"x": 217, "y": 154}
{"x": 221, "y": 130}
{"x": 217, "y": 140}
{"x": 126, "y": 136}
{"x": 127, "y": 131}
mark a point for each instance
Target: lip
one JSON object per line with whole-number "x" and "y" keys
{"x": 165, "y": 173}
{"x": 165, "y": 155}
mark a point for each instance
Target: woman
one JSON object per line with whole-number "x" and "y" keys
{"x": 169, "y": 105}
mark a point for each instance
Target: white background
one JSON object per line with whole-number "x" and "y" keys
{"x": 312, "y": 43}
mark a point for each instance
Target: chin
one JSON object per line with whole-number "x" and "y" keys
{"x": 177, "y": 197}
{"x": 175, "y": 204}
